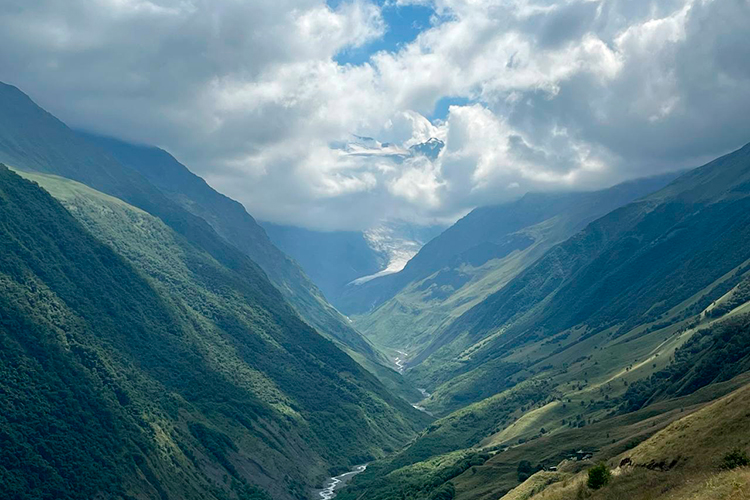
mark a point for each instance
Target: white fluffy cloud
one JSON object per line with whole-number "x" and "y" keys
{"x": 561, "y": 94}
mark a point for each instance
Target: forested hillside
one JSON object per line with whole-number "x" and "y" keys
{"x": 183, "y": 368}
{"x": 152, "y": 180}
{"x": 139, "y": 342}
{"x": 629, "y": 268}
{"x": 230, "y": 220}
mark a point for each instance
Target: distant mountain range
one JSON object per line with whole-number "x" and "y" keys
{"x": 331, "y": 259}
{"x": 367, "y": 146}
{"x": 474, "y": 258}
{"x": 338, "y": 260}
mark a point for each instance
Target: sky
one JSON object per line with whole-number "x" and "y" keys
{"x": 269, "y": 100}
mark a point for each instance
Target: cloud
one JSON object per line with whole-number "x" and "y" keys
{"x": 562, "y": 94}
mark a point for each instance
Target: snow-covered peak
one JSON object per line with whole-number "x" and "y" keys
{"x": 367, "y": 146}
{"x": 430, "y": 148}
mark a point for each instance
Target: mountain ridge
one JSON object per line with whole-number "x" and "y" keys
{"x": 231, "y": 221}
{"x": 171, "y": 342}
{"x": 33, "y": 139}
{"x": 479, "y": 254}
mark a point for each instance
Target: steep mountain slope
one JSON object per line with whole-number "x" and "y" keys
{"x": 188, "y": 379}
{"x": 636, "y": 312}
{"x": 231, "y": 221}
{"x": 331, "y": 259}
{"x": 32, "y": 139}
{"x": 482, "y": 252}
{"x": 630, "y": 268}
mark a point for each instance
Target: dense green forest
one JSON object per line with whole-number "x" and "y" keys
{"x": 184, "y": 354}
{"x": 713, "y": 354}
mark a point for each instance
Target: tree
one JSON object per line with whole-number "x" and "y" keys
{"x": 525, "y": 470}
{"x": 735, "y": 458}
{"x": 598, "y": 476}
{"x": 445, "y": 492}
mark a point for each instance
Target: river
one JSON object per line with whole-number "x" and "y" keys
{"x": 338, "y": 482}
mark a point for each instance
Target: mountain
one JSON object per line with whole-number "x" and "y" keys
{"x": 144, "y": 356}
{"x": 368, "y": 146}
{"x": 137, "y": 364}
{"x": 152, "y": 180}
{"x": 332, "y": 260}
{"x": 478, "y": 255}
{"x": 430, "y": 149}
{"x": 635, "y": 266}
{"x": 631, "y": 323}
{"x": 230, "y": 220}
{"x": 340, "y": 260}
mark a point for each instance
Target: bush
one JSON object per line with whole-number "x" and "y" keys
{"x": 445, "y": 492}
{"x": 525, "y": 470}
{"x": 735, "y": 458}
{"x": 598, "y": 476}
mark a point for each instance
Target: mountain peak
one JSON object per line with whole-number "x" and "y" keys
{"x": 431, "y": 148}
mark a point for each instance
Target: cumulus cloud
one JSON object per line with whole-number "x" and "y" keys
{"x": 561, "y": 94}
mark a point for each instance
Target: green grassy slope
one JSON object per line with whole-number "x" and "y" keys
{"x": 488, "y": 470}
{"x": 230, "y": 220}
{"x": 683, "y": 461}
{"x": 481, "y": 253}
{"x": 185, "y": 379}
{"x": 645, "y": 305}
{"x": 627, "y": 269}
{"x": 697, "y": 373}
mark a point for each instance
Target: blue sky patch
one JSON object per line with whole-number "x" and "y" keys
{"x": 403, "y": 24}
{"x": 441, "y": 107}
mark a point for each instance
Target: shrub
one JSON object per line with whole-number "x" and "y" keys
{"x": 445, "y": 492}
{"x": 735, "y": 458}
{"x": 525, "y": 470}
{"x": 598, "y": 476}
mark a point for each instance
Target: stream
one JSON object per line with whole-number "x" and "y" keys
{"x": 400, "y": 360}
{"x": 338, "y": 482}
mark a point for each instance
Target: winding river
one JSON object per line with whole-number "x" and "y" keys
{"x": 338, "y": 482}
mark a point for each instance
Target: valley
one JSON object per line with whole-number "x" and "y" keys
{"x": 374, "y": 250}
{"x": 156, "y": 343}
{"x": 552, "y": 359}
